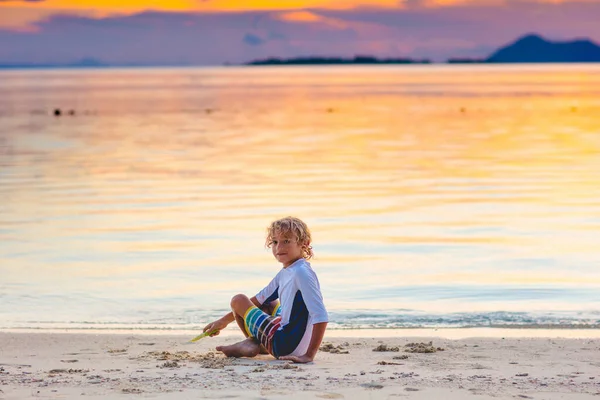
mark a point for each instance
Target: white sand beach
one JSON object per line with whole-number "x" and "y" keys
{"x": 115, "y": 366}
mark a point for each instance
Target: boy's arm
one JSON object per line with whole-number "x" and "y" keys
{"x": 225, "y": 320}
{"x": 315, "y": 341}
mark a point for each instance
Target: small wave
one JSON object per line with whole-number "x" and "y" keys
{"x": 399, "y": 319}
{"x": 498, "y": 319}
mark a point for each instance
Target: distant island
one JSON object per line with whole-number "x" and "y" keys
{"x": 535, "y": 49}
{"x": 89, "y": 63}
{"x": 530, "y": 48}
{"x": 527, "y": 49}
{"x": 83, "y": 63}
{"x": 361, "y": 60}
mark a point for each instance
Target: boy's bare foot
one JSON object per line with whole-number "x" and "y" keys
{"x": 245, "y": 348}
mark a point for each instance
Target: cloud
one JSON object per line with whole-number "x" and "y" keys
{"x": 252, "y": 40}
{"x": 311, "y": 17}
{"x": 278, "y": 5}
{"x": 300, "y": 16}
{"x": 28, "y": 19}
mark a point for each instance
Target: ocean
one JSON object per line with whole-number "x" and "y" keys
{"x": 439, "y": 196}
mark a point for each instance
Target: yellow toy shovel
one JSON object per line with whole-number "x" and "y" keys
{"x": 205, "y": 334}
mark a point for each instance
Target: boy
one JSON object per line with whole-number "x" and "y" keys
{"x": 292, "y": 329}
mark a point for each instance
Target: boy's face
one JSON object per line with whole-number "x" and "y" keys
{"x": 285, "y": 248}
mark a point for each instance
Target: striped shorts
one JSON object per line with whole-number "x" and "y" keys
{"x": 262, "y": 326}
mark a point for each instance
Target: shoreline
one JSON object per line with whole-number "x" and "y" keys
{"x": 115, "y": 366}
{"x": 446, "y": 333}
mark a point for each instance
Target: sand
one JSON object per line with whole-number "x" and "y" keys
{"x": 115, "y": 366}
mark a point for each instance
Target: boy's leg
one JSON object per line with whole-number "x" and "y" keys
{"x": 246, "y": 348}
{"x": 242, "y": 324}
{"x": 268, "y": 308}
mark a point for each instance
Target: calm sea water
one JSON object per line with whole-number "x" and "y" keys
{"x": 438, "y": 196}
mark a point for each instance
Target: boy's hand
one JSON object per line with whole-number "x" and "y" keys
{"x": 298, "y": 359}
{"x": 217, "y": 326}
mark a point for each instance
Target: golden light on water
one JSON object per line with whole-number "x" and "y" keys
{"x": 409, "y": 177}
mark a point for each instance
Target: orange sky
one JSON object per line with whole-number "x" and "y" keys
{"x": 20, "y": 15}
{"x": 234, "y": 5}
{"x": 196, "y": 5}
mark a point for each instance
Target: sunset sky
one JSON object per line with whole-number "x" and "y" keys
{"x": 212, "y": 32}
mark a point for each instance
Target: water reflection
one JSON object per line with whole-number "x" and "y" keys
{"x": 412, "y": 179}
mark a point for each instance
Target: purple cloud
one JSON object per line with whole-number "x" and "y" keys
{"x": 253, "y": 40}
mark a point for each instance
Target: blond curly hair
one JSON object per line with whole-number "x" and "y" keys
{"x": 295, "y": 228}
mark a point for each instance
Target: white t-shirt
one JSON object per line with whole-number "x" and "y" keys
{"x": 299, "y": 293}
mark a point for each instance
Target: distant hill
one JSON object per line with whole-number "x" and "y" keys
{"x": 87, "y": 63}
{"x": 83, "y": 63}
{"x": 527, "y": 49}
{"x": 364, "y": 60}
{"x": 535, "y": 49}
